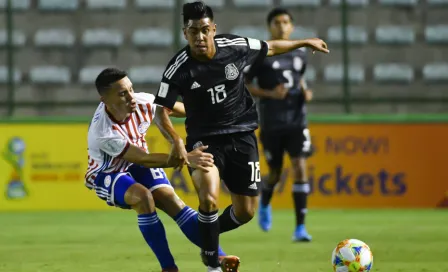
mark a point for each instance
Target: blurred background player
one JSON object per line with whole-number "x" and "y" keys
{"x": 283, "y": 93}
{"x": 221, "y": 114}
{"x": 125, "y": 175}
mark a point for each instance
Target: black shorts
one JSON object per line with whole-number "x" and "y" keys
{"x": 236, "y": 157}
{"x": 297, "y": 142}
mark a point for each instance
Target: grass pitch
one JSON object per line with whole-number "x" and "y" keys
{"x": 401, "y": 240}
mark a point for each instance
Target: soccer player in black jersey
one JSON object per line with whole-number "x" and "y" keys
{"x": 221, "y": 114}
{"x": 283, "y": 93}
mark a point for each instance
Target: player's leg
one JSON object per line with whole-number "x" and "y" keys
{"x": 140, "y": 199}
{"x": 273, "y": 149}
{"x": 122, "y": 191}
{"x": 207, "y": 188}
{"x": 166, "y": 199}
{"x": 187, "y": 219}
{"x": 242, "y": 177}
{"x": 239, "y": 213}
{"x": 299, "y": 149}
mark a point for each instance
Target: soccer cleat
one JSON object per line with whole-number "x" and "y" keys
{"x": 173, "y": 269}
{"x": 228, "y": 263}
{"x": 301, "y": 235}
{"x": 265, "y": 217}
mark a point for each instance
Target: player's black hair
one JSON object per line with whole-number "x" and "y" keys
{"x": 196, "y": 11}
{"x": 107, "y": 77}
{"x": 277, "y": 11}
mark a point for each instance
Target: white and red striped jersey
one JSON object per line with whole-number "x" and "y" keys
{"x": 109, "y": 139}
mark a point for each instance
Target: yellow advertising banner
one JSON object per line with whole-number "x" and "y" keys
{"x": 355, "y": 165}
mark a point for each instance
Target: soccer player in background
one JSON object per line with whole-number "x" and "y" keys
{"x": 283, "y": 93}
{"x": 221, "y": 114}
{"x": 123, "y": 172}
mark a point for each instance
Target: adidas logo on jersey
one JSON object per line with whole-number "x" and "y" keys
{"x": 195, "y": 85}
{"x": 253, "y": 186}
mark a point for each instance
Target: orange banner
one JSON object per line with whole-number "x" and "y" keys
{"x": 374, "y": 165}
{"x": 355, "y": 165}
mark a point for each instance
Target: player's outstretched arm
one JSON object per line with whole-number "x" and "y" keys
{"x": 154, "y": 160}
{"x": 277, "y": 47}
{"x": 198, "y": 158}
{"x": 165, "y": 126}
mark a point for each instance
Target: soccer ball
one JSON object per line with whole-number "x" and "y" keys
{"x": 352, "y": 255}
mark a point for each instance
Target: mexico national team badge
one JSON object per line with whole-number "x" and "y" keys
{"x": 143, "y": 127}
{"x": 107, "y": 181}
{"x": 231, "y": 71}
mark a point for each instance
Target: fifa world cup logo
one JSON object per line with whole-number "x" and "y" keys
{"x": 14, "y": 155}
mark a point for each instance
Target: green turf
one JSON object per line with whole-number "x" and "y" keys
{"x": 401, "y": 240}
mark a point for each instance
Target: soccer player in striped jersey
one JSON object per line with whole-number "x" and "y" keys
{"x": 221, "y": 114}
{"x": 123, "y": 172}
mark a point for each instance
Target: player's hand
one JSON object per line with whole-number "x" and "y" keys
{"x": 201, "y": 160}
{"x": 279, "y": 92}
{"x": 179, "y": 155}
{"x": 308, "y": 95}
{"x": 317, "y": 45}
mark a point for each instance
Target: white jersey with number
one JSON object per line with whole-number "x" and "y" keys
{"x": 109, "y": 139}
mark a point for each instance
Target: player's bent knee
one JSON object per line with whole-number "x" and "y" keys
{"x": 244, "y": 207}
{"x": 208, "y": 202}
{"x": 245, "y": 214}
{"x": 167, "y": 200}
{"x": 145, "y": 203}
{"x": 207, "y": 186}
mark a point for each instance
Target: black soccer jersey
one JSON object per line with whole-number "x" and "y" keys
{"x": 287, "y": 69}
{"x": 215, "y": 97}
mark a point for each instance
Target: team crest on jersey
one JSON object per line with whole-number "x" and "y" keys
{"x": 231, "y": 71}
{"x": 143, "y": 127}
{"x": 107, "y": 181}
